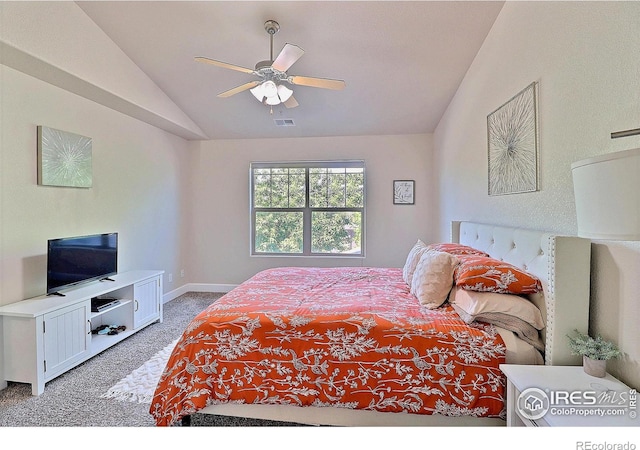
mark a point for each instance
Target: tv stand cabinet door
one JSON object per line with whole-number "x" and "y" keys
{"x": 67, "y": 338}
{"x": 147, "y": 304}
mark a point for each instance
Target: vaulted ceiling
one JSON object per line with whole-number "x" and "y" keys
{"x": 402, "y": 62}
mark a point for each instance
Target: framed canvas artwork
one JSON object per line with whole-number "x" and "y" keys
{"x": 403, "y": 192}
{"x": 512, "y": 132}
{"x": 64, "y": 159}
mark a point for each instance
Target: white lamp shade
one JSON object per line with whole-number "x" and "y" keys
{"x": 284, "y": 93}
{"x": 272, "y": 101}
{"x": 258, "y": 92}
{"x": 607, "y": 194}
{"x": 270, "y": 89}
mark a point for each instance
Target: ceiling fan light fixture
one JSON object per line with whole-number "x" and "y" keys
{"x": 270, "y": 93}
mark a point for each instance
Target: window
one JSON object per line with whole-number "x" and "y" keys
{"x": 307, "y": 208}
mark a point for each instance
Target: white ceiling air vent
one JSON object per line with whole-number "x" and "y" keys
{"x": 284, "y": 122}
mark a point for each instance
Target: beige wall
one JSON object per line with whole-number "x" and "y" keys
{"x": 139, "y": 178}
{"x": 220, "y": 230}
{"x": 584, "y": 56}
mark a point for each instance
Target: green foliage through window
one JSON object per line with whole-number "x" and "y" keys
{"x": 308, "y": 208}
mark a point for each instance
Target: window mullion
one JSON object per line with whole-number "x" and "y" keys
{"x": 270, "y": 187}
{"x": 326, "y": 194}
{"x": 306, "y": 220}
{"x": 344, "y": 188}
{"x": 288, "y": 188}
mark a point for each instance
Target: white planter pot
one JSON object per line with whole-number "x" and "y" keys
{"x": 594, "y": 367}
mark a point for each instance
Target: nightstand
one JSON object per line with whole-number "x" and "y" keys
{"x": 565, "y": 396}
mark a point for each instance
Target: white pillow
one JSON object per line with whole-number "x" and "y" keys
{"x": 433, "y": 278}
{"x": 478, "y": 304}
{"x": 519, "y": 327}
{"x": 412, "y": 261}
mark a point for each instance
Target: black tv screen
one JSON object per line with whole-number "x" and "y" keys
{"x": 80, "y": 259}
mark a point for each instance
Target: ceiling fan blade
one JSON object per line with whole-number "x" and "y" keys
{"x": 290, "y": 103}
{"x": 288, "y": 56}
{"x": 324, "y": 83}
{"x": 223, "y": 64}
{"x": 241, "y": 88}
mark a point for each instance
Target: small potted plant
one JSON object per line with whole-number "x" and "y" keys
{"x": 595, "y": 352}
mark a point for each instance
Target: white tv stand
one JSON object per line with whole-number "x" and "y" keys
{"x": 46, "y": 336}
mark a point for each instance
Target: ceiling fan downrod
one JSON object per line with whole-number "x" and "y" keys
{"x": 271, "y": 27}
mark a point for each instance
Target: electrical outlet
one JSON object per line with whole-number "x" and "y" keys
{"x": 182, "y": 273}
{"x": 170, "y": 277}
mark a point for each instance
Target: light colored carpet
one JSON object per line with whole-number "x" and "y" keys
{"x": 139, "y": 386}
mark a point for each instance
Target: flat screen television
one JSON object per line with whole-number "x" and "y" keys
{"x": 80, "y": 259}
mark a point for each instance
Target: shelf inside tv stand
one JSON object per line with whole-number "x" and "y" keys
{"x": 122, "y": 303}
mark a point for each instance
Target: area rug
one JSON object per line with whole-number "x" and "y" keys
{"x": 139, "y": 385}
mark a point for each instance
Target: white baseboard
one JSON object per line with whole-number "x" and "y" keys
{"x": 196, "y": 287}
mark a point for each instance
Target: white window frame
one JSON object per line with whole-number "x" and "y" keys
{"x": 307, "y": 210}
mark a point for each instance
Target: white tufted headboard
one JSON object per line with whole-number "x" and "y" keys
{"x": 563, "y": 264}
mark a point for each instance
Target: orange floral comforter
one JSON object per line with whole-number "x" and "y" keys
{"x": 334, "y": 337}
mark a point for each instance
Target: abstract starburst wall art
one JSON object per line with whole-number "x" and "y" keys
{"x": 64, "y": 159}
{"x": 513, "y": 144}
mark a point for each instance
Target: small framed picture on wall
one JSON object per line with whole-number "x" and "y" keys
{"x": 403, "y": 192}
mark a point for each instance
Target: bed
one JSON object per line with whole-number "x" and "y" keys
{"x": 361, "y": 346}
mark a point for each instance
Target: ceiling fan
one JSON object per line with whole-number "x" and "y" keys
{"x": 271, "y": 87}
